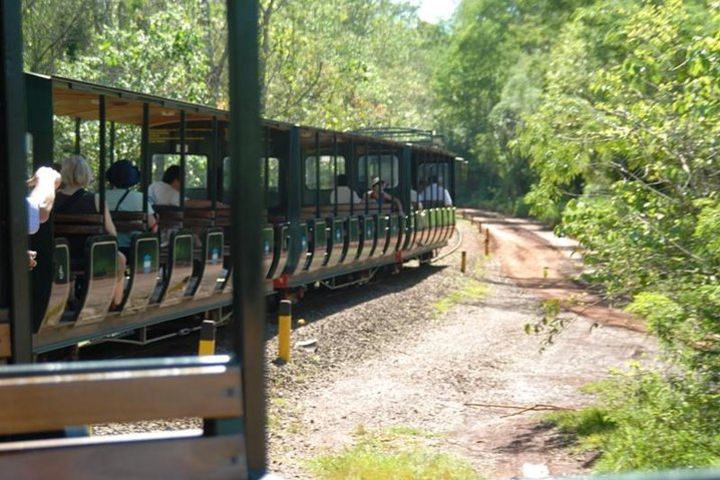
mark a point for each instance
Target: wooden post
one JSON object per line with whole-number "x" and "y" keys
{"x": 487, "y": 242}
{"x": 463, "y": 261}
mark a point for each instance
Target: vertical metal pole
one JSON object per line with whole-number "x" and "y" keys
{"x": 335, "y": 173}
{"x": 215, "y": 163}
{"x": 317, "y": 174}
{"x": 112, "y": 143}
{"x": 294, "y": 177}
{"x": 406, "y": 176}
{"x": 381, "y": 203}
{"x": 103, "y": 154}
{"x": 13, "y": 261}
{"x": 246, "y": 245}
{"x": 392, "y": 174}
{"x": 368, "y": 179}
{"x": 267, "y": 165}
{"x": 353, "y": 160}
{"x": 77, "y": 135}
{"x": 145, "y": 156}
{"x": 183, "y": 159}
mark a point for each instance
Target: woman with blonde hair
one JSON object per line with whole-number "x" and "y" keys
{"x": 72, "y": 198}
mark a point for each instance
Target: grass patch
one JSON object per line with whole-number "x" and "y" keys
{"x": 649, "y": 420}
{"x": 590, "y": 425}
{"x": 399, "y": 453}
{"x": 470, "y": 290}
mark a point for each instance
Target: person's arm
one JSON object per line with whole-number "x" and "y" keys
{"x": 44, "y": 182}
{"x": 152, "y": 221}
{"x": 109, "y": 225}
{"x": 33, "y": 214}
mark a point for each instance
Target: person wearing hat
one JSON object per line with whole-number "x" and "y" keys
{"x": 123, "y": 175}
{"x": 377, "y": 196}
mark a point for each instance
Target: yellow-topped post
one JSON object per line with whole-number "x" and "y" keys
{"x": 284, "y": 328}
{"x": 207, "y": 338}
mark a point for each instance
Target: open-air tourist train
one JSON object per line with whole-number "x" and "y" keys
{"x": 312, "y": 235}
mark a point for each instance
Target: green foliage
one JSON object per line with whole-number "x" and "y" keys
{"x": 626, "y": 152}
{"x": 649, "y": 421}
{"x": 605, "y": 114}
{"x": 550, "y": 325}
{"x": 396, "y": 454}
{"x": 341, "y": 64}
{"x": 591, "y": 424}
{"x": 490, "y": 77}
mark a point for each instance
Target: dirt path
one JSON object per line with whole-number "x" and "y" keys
{"x": 532, "y": 257}
{"x": 423, "y": 350}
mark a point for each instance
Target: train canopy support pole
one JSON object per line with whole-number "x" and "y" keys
{"x": 406, "y": 176}
{"x": 14, "y": 279}
{"x": 146, "y": 167}
{"x": 77, "y": 136}
{"x": 247, "y": 221}
{"x": 183, "y": 159}
{"x": 103, "y": 152}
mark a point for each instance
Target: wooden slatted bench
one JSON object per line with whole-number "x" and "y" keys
{"x": 52, "y": 397}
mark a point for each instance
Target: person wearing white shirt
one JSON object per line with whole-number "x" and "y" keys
{"x": 123, "y": 175}
{"x": 167, "y": 190}
{"x": 414, "y": 200}
{"x": 343, "y": 194}
{"x": 435, "y": 193}
{"x": 40, "y": 202}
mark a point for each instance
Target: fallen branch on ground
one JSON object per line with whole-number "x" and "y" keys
{"x": 522, "y": 409}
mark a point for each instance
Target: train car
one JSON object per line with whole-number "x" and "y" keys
{"x": 185, "y": 269}
{"x": 46, "y": 408}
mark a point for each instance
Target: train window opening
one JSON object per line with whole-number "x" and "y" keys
{"x": 78, "y": 138}
{"x": 327, "y": 171}
{"x": 385, "y": 165}
{"x": 270, "y": 173}
{"x": 29, "y": 158}
{"x": 124, "y": 141}
{"x": 195, "y": 172}
{"x": 429, "y": 170}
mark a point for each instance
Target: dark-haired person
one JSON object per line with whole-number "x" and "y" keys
{"x": 378, "y": 196}
{"x": 167, "y": 190}
{"x": 123, "y": 175}
{"x": 434, "y": 194}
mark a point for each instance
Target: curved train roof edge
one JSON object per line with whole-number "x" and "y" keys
{"x": 70, "y": 94}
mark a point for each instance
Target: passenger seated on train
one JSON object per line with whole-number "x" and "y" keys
{"x": 377, "y": 196}
{"x": 414, "y": 200}
{"x": 167, "y": 190}
{"x": 343, "y": 193}
{"x": 74, "y": 199}
{"x": 39, "y": 203}
{"x": 435, "y": 193}
{"x": 123, "y": 175}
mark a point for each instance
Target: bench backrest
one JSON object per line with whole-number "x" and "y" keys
{"x": 52, "y": 397}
